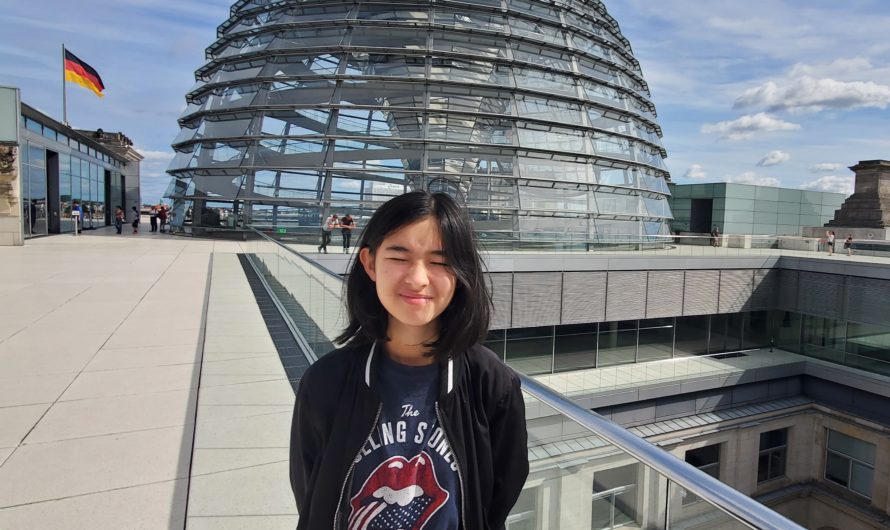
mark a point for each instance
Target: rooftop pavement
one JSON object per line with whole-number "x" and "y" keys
{"x": 103, "y": 342}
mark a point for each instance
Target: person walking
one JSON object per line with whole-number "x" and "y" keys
{"x": 329, "y": 225}
{"x": 346, "y": 226}
{"x": 848, "y": 244}
{"x": 118, "y": 219}
{"x": 830, "y": 239}
{"x": 412, "y": 423}
{"x": 135, "y": 223}
{"x": 153, "y": 218}
{"x": 162, "y": 217}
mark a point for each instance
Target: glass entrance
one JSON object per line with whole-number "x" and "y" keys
{"x": 34, "y": 199}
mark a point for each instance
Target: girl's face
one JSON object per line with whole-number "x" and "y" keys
{"x": 412, "y": 276}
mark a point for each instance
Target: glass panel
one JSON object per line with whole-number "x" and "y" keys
{"x": 837, "y": 469}
{"x": 495, "y": 341}
{"x": 777, "y": 463}
{"x": 617, "y": 343}
{"x": 378, "y": 64}
{"x": 686, "y": 512}
{"x": 771, "y": 439}
{"x": 861, "y": 479}
{"x": 692, "y": 336}
{"x": 530, "y": 350}
{"x": 823, "y": 338}
{"x": 656, "y": 339}
{"x": 473, "y": 45}
{"x": 785, "y": 327}
{"x": 543, "y": 81}
{"x": 538, "y": 198}
{"x": 763, "y": 467}
{"x": 755, "y": 330}
{"x": 850, "y": 446}
{"x": 575, "y": 347}
{"x": 465, "y": 18}
{"x": 548, "y": 169}
{"x": 869, "y": 341}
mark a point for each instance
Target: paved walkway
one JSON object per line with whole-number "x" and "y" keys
{"x": 101, "y": 342}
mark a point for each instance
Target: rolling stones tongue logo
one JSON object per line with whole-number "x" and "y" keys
{"x": 399, "y": 494}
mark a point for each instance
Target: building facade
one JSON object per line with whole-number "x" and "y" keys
{"x": 747, "y": 209}
{"x": 535, "y": 115}
{"x": 57, "y": 167}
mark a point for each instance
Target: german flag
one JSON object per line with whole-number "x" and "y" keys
{"x": 83, "y": 74}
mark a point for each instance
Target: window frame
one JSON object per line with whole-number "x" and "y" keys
{"x": 783, "y": 448}
{"x": 690, "y": 498}
{"x": 850, "y": 460}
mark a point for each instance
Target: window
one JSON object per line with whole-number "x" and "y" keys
{"x": 850, "y": 463}
{"x": 773, "y": 452}
{"x": 524, "y": 515}
{"x": 614, "y": 497}
{"x": 706, "y": 459}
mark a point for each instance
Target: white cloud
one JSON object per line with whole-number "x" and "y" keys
{"x": 774, "y": 158}
{"x": 808, "y": 94}
{"x": 832, "y": 183}
{"x": 750, "y": 177}
{"x": 695, "y": 171}
{"x": 747, "y": 126}
{"x": 154, "y": 163}
{"x": 837, "y": 69}
{"x": 825, "y": 167}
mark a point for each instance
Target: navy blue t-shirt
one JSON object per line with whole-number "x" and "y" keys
{"x": 406, "y": 474}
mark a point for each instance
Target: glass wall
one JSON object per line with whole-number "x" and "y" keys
{"x": 34, "y": 196}
{"x": 291, "y": 112}
{"x": 544, "y": 349}
{"x": 761, "y": 210}
{"x": 868, "y": 347}
{"x": 82, "y": 179}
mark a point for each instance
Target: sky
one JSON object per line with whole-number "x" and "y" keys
{"x": 771, "y": 92}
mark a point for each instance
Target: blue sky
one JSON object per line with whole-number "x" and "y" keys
{"x": 773, "y": 92}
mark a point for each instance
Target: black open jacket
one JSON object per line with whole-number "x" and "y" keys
{"x": 481, "y": 410}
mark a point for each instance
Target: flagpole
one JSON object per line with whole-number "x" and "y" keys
{"x": 64, "y": 96}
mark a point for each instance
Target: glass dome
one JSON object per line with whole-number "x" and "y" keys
{"x": 534, "y": 114}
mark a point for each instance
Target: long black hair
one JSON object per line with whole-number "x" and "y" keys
{"x": 465, "y": 321}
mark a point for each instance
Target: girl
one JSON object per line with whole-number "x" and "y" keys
{"x": 412, "y": 424}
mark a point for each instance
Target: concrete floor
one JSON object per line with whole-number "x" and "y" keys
{"x": 102, "y": 339}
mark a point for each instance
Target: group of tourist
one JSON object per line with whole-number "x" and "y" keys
{"x": 346, "y": 224}
{"x": 157, "y": 216}
{"x": 830, "y": 237}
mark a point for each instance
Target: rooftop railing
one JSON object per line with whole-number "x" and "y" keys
{"x": 307, "y": 238}
{"x": 585, "y": 471}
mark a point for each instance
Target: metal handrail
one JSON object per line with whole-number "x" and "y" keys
{"x": 734, "y": 503}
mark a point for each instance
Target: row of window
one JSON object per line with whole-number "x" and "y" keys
{"x": 463, "y": 19}
{"x": 494, "y": 86}
{"x": 507, "y": 53}
{"x": 570, "y": 347}
{"x": 849, "y": 462}
{"x": 620, "y": 495}
{"x": 390, "y": 156}
{"x": 397, "y": 124}
{"x": 48, "y": 132}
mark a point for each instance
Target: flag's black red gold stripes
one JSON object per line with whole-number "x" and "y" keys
{"x": 83, "y": 74}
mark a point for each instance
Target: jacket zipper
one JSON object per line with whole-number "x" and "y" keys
{"x": 346, "y": 479}
{"x": 460, "y": 476}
